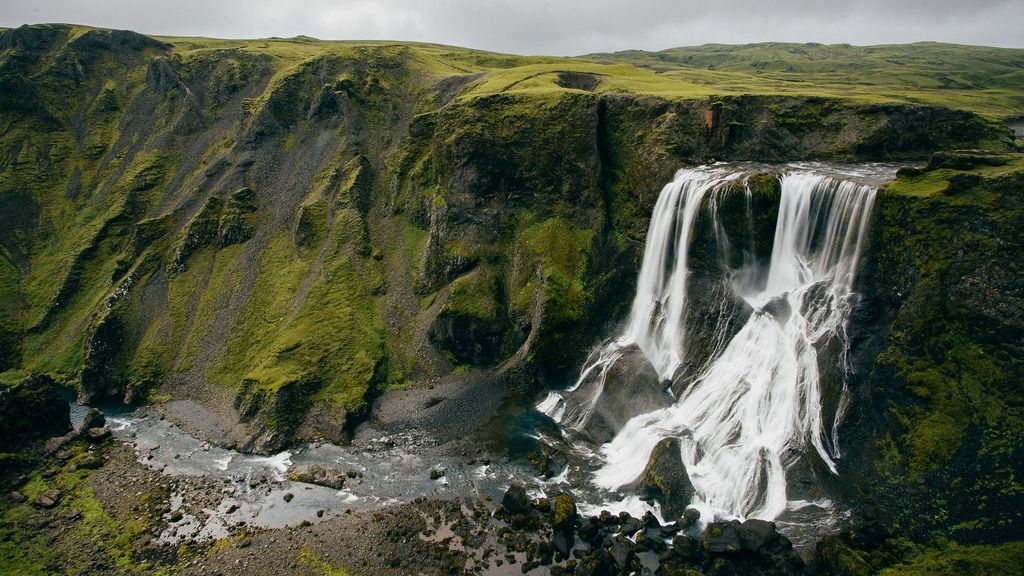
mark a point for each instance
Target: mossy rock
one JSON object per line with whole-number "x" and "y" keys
{"x": 666, "y": 480}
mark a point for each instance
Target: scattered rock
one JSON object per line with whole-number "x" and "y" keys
{"x": 49, "y": 499}
{"x": 436, "y": 473}
{"x": 288, "y": 496}
{"x": 17, "y": 497}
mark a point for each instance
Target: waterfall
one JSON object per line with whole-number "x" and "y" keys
{"x": 755, "y": 408}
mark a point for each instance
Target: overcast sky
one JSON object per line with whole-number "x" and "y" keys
{"x": 568, "y": 27}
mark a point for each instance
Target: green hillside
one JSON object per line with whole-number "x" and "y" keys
{"x": 986, "y": 80}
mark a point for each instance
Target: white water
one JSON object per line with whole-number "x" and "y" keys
{"x": 755, "y": 408}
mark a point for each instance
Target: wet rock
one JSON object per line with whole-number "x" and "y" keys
{"x": 665, "y": 479}
{"x": 563, "y": 512}
{"x": 631, "y": 387}
{"x": 779, "y": 309}
{"x": 515, "y": 500}
{"x": 622, "y": 552}
{"x": 94, "y": 419}
{"x": 690, "y": 517}
{"x": 49, "y": 498}
{"x": 562, "y": 541}
{"x": 687, "y": 547}
{"x": 755, "y": 534}
{"x": 318, "y": 474}
{"x": 722, "y": 537}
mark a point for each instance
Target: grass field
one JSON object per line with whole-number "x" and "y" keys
{"x": 989, "y": 81}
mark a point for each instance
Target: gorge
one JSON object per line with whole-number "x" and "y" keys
{"x": 443, "y": 275}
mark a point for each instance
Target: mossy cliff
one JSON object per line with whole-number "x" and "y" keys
{"x": 281, "y": 229}
{"x": 933, "y": 442}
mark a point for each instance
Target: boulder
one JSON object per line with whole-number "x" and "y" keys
{"x": 722, "y": 537}
{"x": 562, "y": 542}
{"x": 94, "y": 419}
{"x": 515, "y": 500}
{"x": 690, "y": 517}
{"x": 318, "y": 474}
{"x": 622, "y": 552}
{"x": 665, "y": 479}
{"x": 563, "y": 513}
{"x": 631, "y": 387}
{"x": 755, "y": 534}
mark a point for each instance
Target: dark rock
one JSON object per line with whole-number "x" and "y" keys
{"x": 176, "y": 516}
{"x": 49, "y": 498}
{"x": 562, "y": 542}
{"x": 779, "y": 309}
{"x": 288, "y": 496}
{"x": 436, "y": 473}
{"x": 690, "y": 517}
{"x": 754, "y": 534}
{"x": 631, "y": 387}
{"x": 665, "y": 478}
{"x": 622, "y": 552}
{"x": 17, "y": 497}
{"x": 687, "y": 547}
{"x": 722, "y": 537}
{"x": 515, "y": 500}
{"x": 94, "y": 419}
{"x": 318, "y": 474}
{"x": 31, "y": 409}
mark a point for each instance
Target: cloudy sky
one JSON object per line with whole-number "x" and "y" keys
{"x": 567, "y": 27}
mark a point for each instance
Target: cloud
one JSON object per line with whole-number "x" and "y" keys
{"x": 566, "y": 27}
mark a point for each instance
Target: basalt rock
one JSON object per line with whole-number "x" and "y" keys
{"x": 665, "y": 479}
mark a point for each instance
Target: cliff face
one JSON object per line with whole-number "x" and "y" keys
{"x": 279, "y": 230}
{"x": 934, "y": 439}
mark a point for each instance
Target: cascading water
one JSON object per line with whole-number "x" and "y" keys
{"x": 755, "y": 408}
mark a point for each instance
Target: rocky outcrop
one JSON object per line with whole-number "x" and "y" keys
{"x": 30, "y": 409}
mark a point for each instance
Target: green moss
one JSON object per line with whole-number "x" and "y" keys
{"x": 553, "y": 256}
{"x": 475, "y": 294}
{"x": 950, "y": 559}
